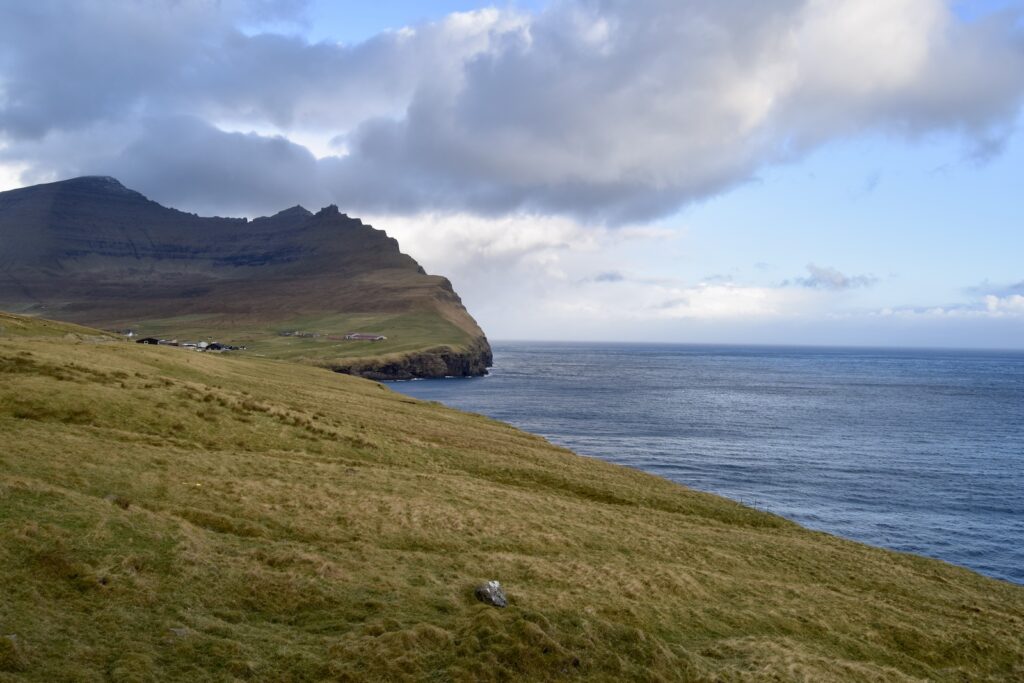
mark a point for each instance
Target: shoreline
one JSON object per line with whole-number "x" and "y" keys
{"x": 849, "y": 496}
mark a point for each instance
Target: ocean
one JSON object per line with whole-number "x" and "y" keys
{"x": 915, "y": 450}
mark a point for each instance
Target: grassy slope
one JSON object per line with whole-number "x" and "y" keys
{"x": 19, "y": 326}
{"x": 405, "y": 332}
{"x": 293, "y": 524}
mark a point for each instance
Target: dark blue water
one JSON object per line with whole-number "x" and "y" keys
{"x": 921, "y": 451}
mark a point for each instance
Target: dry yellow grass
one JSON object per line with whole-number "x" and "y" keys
{"x": 169, "y": 515}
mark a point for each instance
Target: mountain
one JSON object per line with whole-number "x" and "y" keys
{"x": 292, "y": 285}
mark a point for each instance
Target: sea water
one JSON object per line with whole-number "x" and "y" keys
{"x": 919, "y": 451}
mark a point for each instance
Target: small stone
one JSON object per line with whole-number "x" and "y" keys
{"x": 491, "y": 593}
{"x": 181, "y": 632}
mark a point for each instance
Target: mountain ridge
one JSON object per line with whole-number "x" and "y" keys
{"x": 90, "y": 250}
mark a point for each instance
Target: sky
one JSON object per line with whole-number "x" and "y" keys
{"x": 840, "y": 172}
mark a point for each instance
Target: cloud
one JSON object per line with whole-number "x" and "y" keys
{"x": 832, "y": 279}
{"x": 619, "y": 112}
{"x": 1005, "y": 305}
{"x": 984, "y": 306}
{"x": 186, "y": 161}
{"x": 607, "y": 111}
{"x": 1000, "y": 290}
{"x": 563, "y": 278}
{"x": 609, "y": 276}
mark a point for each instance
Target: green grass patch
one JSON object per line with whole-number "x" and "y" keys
{"x": 405, "y": 332}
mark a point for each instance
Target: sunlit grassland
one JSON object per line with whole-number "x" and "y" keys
{"x": 405, "y": 332}
{"x": 170, "y": 515}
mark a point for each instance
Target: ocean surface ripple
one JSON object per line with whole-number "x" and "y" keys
{"x": 919, "y": 451}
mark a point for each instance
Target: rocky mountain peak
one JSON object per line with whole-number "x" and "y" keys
{"x": 297, "y": 210}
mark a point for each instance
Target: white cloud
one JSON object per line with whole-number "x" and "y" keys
{"x": 609, "y": 111}
{"x": 529, "y": 276}
{"x": 535, "y": 276}
{"x": 990, "y": 306}
{"x": 1011, "y": 305}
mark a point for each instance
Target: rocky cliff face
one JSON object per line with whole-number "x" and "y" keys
{"x": 436, "y": 363}
{"x": 92, "y": 251}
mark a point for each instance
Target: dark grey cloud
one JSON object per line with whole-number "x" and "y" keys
{"x": 187, "y": 162}
{"x": 67, "y": 66}
{"x": 608, "y": 110}
{"x": 832, "y": 279}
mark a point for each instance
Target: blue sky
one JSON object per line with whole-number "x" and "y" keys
{"x": 921, "y": 217}
{"x": 351, "y": 21}
{"x": 664, "y": 170}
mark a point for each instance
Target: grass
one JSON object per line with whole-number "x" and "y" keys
{"x": 167, "y": 515}
{"x": 21, "y": 326}
{"x": 405, "y": 332}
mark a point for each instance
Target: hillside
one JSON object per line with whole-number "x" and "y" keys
{"x": 171, "y": 515}
{"x": 90, "y": 251}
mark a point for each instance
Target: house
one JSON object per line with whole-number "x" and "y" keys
{"x": 362, "y": 336}
{"x": 148, "y": 340}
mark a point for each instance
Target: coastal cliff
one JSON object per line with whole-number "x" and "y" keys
{"x": 473, "y": 360}
{"x": 297, "y": 285}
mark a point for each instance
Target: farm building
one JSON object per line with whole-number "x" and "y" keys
{"x": 360, "y": 336}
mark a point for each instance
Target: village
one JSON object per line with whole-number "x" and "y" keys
{"x": 218, "y": 347}
{"x": 215, "y": 347}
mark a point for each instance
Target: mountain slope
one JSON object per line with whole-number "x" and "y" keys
{"x": 89, "y": 250}
{"x": 167, "y": 515}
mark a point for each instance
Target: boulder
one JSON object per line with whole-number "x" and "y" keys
{"x": 491, "y": 593}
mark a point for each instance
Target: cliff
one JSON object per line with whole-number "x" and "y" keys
{"x": 436, "y": 363}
